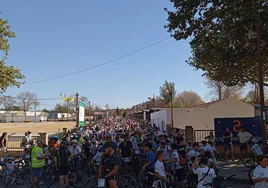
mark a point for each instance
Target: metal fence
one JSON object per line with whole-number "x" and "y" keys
{"x": 14, "y": 141}
{"x": 199, "y": 135}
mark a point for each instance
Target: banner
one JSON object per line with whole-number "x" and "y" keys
{"x": 82, "y": 113}
{"x": 252, "y": 125}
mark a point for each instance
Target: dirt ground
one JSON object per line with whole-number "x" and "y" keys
{"x": 47, "y": 127}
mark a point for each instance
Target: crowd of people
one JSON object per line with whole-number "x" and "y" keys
{"x": 113, "y": 143}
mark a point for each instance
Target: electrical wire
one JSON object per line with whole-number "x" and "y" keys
{"x": 124, "y": 56}
{"x": 104, "y": 63}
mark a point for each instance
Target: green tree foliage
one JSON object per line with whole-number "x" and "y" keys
{"x": 223, "y": 36}
{"x": 166, "y": 91}
{"x": 9, "y": 75}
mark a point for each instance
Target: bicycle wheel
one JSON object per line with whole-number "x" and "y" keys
{"x": 2, "y": 172}
{"x": 7, "y": 181}
{"x": 50, "y": 176}
{"x": 141, "y": 184}
{"x": 79, "y": 178}
{"x": 250, "y": 174}
{"x": 126, "y": 181}
{"x": 92, "y": 182}
{"x": 249, "y": 161}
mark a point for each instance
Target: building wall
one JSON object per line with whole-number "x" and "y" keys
{"x": 203, "y": 118}
{"x": 159, "y": 119}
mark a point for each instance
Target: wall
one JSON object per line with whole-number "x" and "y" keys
{"x": 158, "y": 117}
{"x": 203, "y": 118}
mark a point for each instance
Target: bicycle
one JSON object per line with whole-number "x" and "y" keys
{"x": 77, "y": 178}
{"x": 217, "y": 182}
{"x": 123, "y": 181}
{"x": 14, "y": 178}
{"x": 249, "y": 160}
{"x": 250, "y": 174}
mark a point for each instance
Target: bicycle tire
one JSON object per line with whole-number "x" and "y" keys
{"x": 80, "y": 177}
{"x": 250, "y": 174}
{"x": 126, "y": 181}
{"x": 141, "y": 184}
{"x": 2, "y": 172}
{"x": 249, "y": 161}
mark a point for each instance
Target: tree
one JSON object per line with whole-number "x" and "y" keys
{"x": 223, "y": 37}
{"x": 253, "y": 97}
{"x": 7, "y": 102}
{"x": 166, "y": 90}
{"x": 62, "y": 108}
{"x": 10, "y": 76}
{"x": 187, "y": 99}
{"x": 27, "y": 100}
{"x": 218, "y": 90}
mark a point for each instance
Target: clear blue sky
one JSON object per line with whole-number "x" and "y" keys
{"x": 62, "y": 36}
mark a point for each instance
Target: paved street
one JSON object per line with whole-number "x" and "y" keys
{"x": 241, "y": 178}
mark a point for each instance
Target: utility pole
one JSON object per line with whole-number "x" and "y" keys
{"x": 35, "y": 111}
{"x": 77, "y": 109}
{"x": 260, "y": 69}
{"x": 89, "y": 111}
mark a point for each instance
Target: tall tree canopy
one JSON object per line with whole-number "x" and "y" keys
{"x": 166, "y": 90}
{"x": 188, "y": 99}
{"x": 218, "y": 90}
{"x": 27, "y": 100}
{"x": 9, "y": 75}
{"x": 223, "y": 36}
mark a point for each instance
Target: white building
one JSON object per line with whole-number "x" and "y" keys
{"x": 202, "y": 116}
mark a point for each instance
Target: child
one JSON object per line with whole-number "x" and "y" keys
{"x": 10, "y": 166}
{"x": 159, "y": 169}
{"x": 98, "y": 156}
{"x": 256, "y": 148}
{"x": 191, "y": 155}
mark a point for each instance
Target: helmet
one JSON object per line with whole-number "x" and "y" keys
{"x": 108, "y": 145}
{"x": 74, "y": 141}
{"x": 54, "y": 137}
{"x": 108, "y": 135}
{"x": 10, "y": 158}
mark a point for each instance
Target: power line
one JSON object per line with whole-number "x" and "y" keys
{"x": 104, "y": 63}
{"x": 126, "y": 55}
{"x": 42, "y": 99}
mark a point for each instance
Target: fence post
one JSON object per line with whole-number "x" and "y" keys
{"x": 65, "y": 130}
{"x": 189, "y": 134}
{"x": 44, "y": 136}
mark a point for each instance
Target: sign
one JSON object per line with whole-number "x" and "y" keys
{"x": 252, "y": 125}
{"x": 82, "y": 113}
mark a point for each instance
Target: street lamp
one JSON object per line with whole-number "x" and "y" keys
{"x": 170, "y": 93}
{"x": 152, "y": 99}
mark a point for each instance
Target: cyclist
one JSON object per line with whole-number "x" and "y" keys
{"x": 38, "y": 162}
{"x": 191, "y": 155}
{"x": 205, "y": 174}
{"x": 61, "y": 161}
{"x": 159, "y": 168}
{"x": 126, "y": 150}
{"x": 76, "y": 153}
{"x": 149, "y": 161}
{"x": 260, "y": 174}
{"x": 109, "y": 165}
{"x": 165, "y": 149}
{"x": 256, "y": 149}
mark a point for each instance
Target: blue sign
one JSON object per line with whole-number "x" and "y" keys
{"x": 252, "y": 125}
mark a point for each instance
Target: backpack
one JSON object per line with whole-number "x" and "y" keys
{"x": 182, "y": 160}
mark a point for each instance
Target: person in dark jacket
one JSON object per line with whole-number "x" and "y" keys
{"x": 61, "y": 160}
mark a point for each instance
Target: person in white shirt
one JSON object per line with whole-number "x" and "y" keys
{"x": 76, "y": 152}
{"x": 205, "y": 174}
{"x": 201, "y": 148}
{"x": 159, "y": 168}
{"x": 260, "y": 174}
{"x": 256, "y": 148}
{"x": 175, "y": 163}
{"x": 210, "y": 147}
{"x": 191, "y": 155}
{"x": 244, "y": 137}
{"x": 165, "y": 149}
